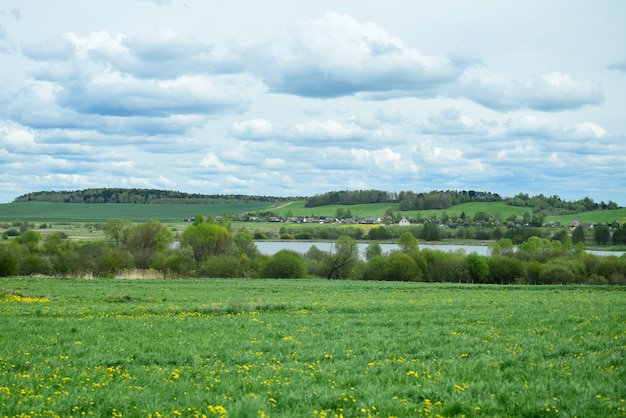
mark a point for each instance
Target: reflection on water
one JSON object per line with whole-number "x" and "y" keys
{"x": 272, "y": 247}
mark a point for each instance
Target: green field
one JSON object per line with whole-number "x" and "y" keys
{"x": 168, "y": 213}
{"x": 309, "y": 348}
{"x": 85, "y": 212}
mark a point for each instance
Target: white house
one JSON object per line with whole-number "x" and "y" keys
{"x": 404, "y": 222}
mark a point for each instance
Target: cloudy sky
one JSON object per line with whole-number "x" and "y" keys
{"x": 292, "y": 98}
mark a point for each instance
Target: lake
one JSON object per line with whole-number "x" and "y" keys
{"x": 272, "y": 247}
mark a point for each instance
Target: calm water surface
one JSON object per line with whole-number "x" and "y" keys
{"x": 272, "y": 247}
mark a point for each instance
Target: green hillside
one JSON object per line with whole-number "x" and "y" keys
{"x": 593, "y": 217}
{"x": 379, "y": 209}
{"x": 362, "y": 211}
{"x": 84, "y": 212}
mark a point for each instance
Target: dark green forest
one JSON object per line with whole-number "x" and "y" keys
{"x": 141, "y": 196}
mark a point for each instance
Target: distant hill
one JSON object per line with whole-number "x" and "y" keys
{"x": 142, "y": 196}
{"x": 540, "y": 205}
{"x": 445, "y": 199}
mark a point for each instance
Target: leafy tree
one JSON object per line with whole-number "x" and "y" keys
{"x": 408, "y": 243}
{"x": 206, "y": 239}
{"x": 175, "y": 263}
{"x": 401, "y": 267}
{"x": 373, "y": 250}
{"x": 244, "y": 244}
{"x": 503, "y": 246}
{"x": 533, "y": 272}
{"x": 446, "y": 267}
{"x": 578, "y": 235}
{"x": 285, "y": 264}
{"x": 376, "y": 268}
{"x": 378, "y": 233}
{"x": 118, "y": 230}
{"x": 602, "y": 234}
{"x": 430, "y": 232}
{"x": 30, "y": 239}
{"x": 343, "y": 258}
{"x": 145, "y": 239}
{"x": 113, "y": 260}
{"x": 340, "y": 213}
{"x": 504, "y": 269}
{"x": 477, "y": 267}
{"x": 54, "y": 243}
{"x": 619, "y": 235}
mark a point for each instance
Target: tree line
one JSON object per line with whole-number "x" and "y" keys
{"x": 141, "y": 196}
{"x": 444, "y": 199}
{"x": 554, "y": 205}
{"x": 211, "y": 248}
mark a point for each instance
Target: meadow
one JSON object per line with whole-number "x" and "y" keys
{"x": 89, "y": 212}
{"x": 309, "y": 348}
{"x": 172, "y": 213}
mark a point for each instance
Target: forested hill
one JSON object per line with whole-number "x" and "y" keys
{"x": 408, "y": 200}
{"x": 141, "y": 196}
{"x": 439, "y": 199}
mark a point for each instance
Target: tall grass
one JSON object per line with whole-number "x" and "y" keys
{"x": 309, "y": 348}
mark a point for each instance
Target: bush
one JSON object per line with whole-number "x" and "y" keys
{"x": 12, "y": 232}
{"x": 259, "y": 235}
{"x": 478, "y": 268}
{"x": 303, "y": 235}
{"x": 401, "y": 267}
{"x": 375, "y": 268}
{"x": 378, "y": 233}
{"x": 533, "y": 272}
{"x": 446, "y": 267}
{"x": 9, "y": 265}
{"x": 67, "y": 263}
{"x": 504, "y": 269}
{"x": 285, "y": 264}
{"x": 179, "y": 263}
{"x": 226, "y": 266}
{"x": 35, "y": 264}
{"x": 557, "y": 273}
{"x": 113, "y": 260}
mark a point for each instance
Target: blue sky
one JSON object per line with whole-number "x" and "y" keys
{"x": 298, "y": 98}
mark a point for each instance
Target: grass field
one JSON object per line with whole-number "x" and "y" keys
{"x": 309, "y": 348}
{"x": 168, "y": 213}
{"x": 84, "y": 212}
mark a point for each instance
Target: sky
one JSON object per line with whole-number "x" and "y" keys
{"x": 284, "y": 98}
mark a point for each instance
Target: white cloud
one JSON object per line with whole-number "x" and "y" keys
{"x": 17, "y": 139}
{"x": 114, "y": 94}
{"x": 315, "y": 131}
{"x": 252, "y": 129}
{"x": 549, "y": 92}
{"x": 211, "y": 160}
{"x": 337, "y": 56}
{"x": 454, "y": 122}
{"x": 289, "y": 103}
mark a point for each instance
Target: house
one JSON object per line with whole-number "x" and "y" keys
{"x": 574, "y": 224}
{"x": 404, "y": 222}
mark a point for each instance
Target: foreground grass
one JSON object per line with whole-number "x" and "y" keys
{"x": 309, "y": 348}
